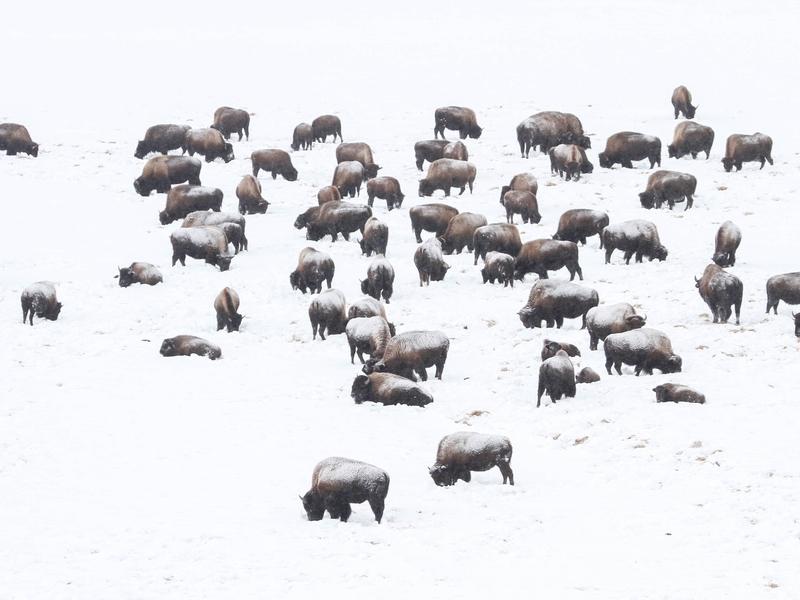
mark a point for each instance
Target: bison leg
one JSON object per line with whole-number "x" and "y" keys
{"x": 689, "y": 202}
{"x": 609, "y": 251}
{"x": 618, "y": 366}
{"x": 769, "y": 158}
{"x": 314, "y": 326}
{"x": 353, "y": 352}
{"x": 221, "y": 322}
{"x": 609, "y": 362}
{"x": 440, "y": 368}
{"x": 508, "y": 474}
{"x": 376, "y": 504}
{"x": 676, "y": 113}
{"x": 592, "y": 337}
{"x": 559, "y": 321}
{"x": 423, "y": 374}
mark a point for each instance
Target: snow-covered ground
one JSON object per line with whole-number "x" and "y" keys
{"x": 124, "y": 474}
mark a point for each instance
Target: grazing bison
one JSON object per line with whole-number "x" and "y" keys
{"x": 380, "y": 280}
{"x": 556, "y": 378}
{"x": 186, "y": 345}
{"x": 498, "y": 267}
{"x": 498, "y": 237}
{"x": 673, "y": 392}
{"x": 523, "y": 204}
{"x": 184, "y": 199}
{"x": 339, "y": 482}
{"x": 541, "y": 256}
{"x": 161, "y": 139}
{"x": 274, "y": 161}
{"x": 796, "y": 324}
{"x": 729, "y": 236}
{"x": 431, "y": 217}
{"x": 329, "y": 193}
{"x": 587, "y": 375}
{"x": 682, "y": 102}
{"x": 720, "y": 290}
{"x": 637, "y": 237}
{"x": 369, "y": 307}
{"x": 549, "y": 129}
{"x": 208, "y": 143}
{"x": 226, "y": 304}
{"x": 461, "y": 453}
{"x": 348, "y": 177}
{"x": 328, "y": 311}
{"x": 456, "y": 118}
{"x": 569, "y": 160}
{"x": 388, "y": 389}
{"x": 554, "y": 301}
{"x": 326, "y": 125}
{"x": 580, "y": 223}
{"x": 429, "y": 261}
{"x": 160, "y": 172}
{"x": 522, "y": 182}
{"x": 447, "y": 173}
{"x": 602, "y": 321}
{"x": 306, "y": 217}
{"x": 410, "y": 352}
{"x": 741, "y": 148}
{"x": 360, "y": 152}
{"x": 251, "y": 201}
{"x": 207, "y": 243}
{"x": 229, "y": 120}
{"x": 139, "y": 272}
{"x": 551, "y": 348}
{"x": 367, "y": 334}
{"x": 313, "y": 267}
{"x": 15, "y": 138}
{"x": 376, "y": 237}
{"x": 691, "y": 138}
{"x": 456, "y": 151}
{"x": 669, "y": 186}
{"x": 385, "y": 188}
{"x": 235, "y": 235}
{"x": 303, "y": 137}
{"x": 645, "y": 349}
{"x": 40, "y": 299}
{"x": 333, "y": 218}
{"x": 460, "y": 232}
{"x": 626, "y": 146}
{"x": 429, "y": 150}
{"x": 784, "y": 287}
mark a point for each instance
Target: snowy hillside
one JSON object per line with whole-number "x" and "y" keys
{"x": 128, "y": 475}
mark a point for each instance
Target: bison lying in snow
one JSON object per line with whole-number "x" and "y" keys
{"x": 672, "y": 392}
{"x": 784, "y": 287}
{"x": 139, "y": 272}
{"x": 626, "y": 146}
{"x": 249, "y": 194}
{"x": 431, "y": 217}
{"x": 328, "y": 311}
{"x": 160, "y": 172}
{"x": 729, "y": 236}
{"x": 747, "y": 148}
{"x": 637, "y": 237}
{"x": 274, "y": 161}
{"x": 669, "y": 187}
{"x": 313, "y": 267}
{"x": 40, "y": 299}
{"x": 541, "y": 256}
{"x": 682, "y": 102}
{"x": 161, "y": 139}
{"x": 720, "y": 290}
{"x": 580, "y": 223}
{"x": 229, "y": 120}
{"x": 339, "y": 482}
{"x": 461, "y": 453}
{"x": 691, "y": 138}
{"x": 380, "y": 280}
{"x": 602, "y": 321}
{"x": 554, "y": 301}
{"x": 447, "y": 173}
{"x": 410, "y": 352}
{"x": 498, "y": 237}
{"x": 226, "y": 305}
{"x": 645, "y": 349}
{"x": 556, "y": 378}
{"x": 186, "y": 345}
{"x": 456, "y": 118}
{"x": 587, "y": 375}
{"x": 388, "y": 389}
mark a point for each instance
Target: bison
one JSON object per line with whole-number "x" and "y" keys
{"x": 161, "y": 139}
{"x": 208, "y": 143}
{"x": 369, "y": 307}
{"x": 385, "y": 188}
{"x": 380, "y": 280}
{"x": 498, "y": 237}
{"x": 580, "y": 223}
{"x": 40, "y": 299}
{"x": 637, "y": 237}
{"x": 184, "y": 199}
{"x": 541, "y": 256}
{"x": 673, "y": 392}
{"x": 429, "y": 261}
{"x": 229, "y": 120}
{"x": 412, "y": 352}
{"x": 274, "y": 161}
{"x": 388, "y": 389}
{"x": 747, "y": 148}
{"x": 460, "y": 232}
{"x": 551, "y": 348}
{"x": 456, "y": 118}
{"x": 160, "y": 172}
{"x": 522, "y": 182}
{"x": 569, "y": 160}
{"x": 461, "y": 453}
{"x": 186, "y": 345}
{"x": 376, "y": 237}
{"x": 626, "y": 146}
{"x": 251, "y": 201}
{"x": 523, "y": 204}
{"x": 784, "y": 287}
{"x": 360, "y": 152}
{"x": 691, "y": 138}
{"x": 339, "y": 482}
{"x": 334, "y": 218}
{"x": 556, "y": 378}
{"x": 348, "y": 177}
{"x": 326, "y": 125}
{"x": 429, "y": 150}
{"x": 549, "y": 129}
{"x": 302, "y": 137}
{"x": 313, "y": 267}
{"x": 226, "y": 305}
{"x": 682, "y": 102}
{"x": 727, "y": 241}
{"x": 139, "y": 272}
{"x": 431, "y": 217}
{"x": 587, "y": 375}
{"x": 367, "y": 334}
{"x": 645, "y": 349}
{"x": 669, "y": 187}
{"x": 498, "y": 267}
{"x": 602, "y": 321}
{"x": 554, "y": 301}
{"x": 447, "y": 173}
{"x": 14, "y": 138}
{"x": 329, "y": 193}
{"x": 207, "y": 243}
{"x": 328, "y": 311}
{"x": 456, "y": 151}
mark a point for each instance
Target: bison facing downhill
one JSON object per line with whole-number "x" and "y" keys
{"x": 672, "y": 392}
{"x": 388, "y": 389}
{"x": 637, "y": 237}
{"x": 498, "y": 267}
{"x": 326, "y": 125}
{"x": 430, "y": 217}
{"x": 461, "y": 453}
{"x": 669, "y": 187}
{"x": 720, "y": 289}
{"x": 553, "y": 301}
{"x": 412, "y": 352}
{"x": 339, "y": 482}
{"x": 460, "y": 232}
{"x": 429, "y": 261}
{"x": 602, "y": 321}
{"x": 226, "y": 305}
{"x": 556, "y": 378}
{"x": 549, "y": 129}
{"x": 367, "y": 334}
{"x": 627, "y": 146}
{"x": 747, "y": 148}
{"x": 274, "y": 161}
{"x": 645, "y": 349}
{"x": 251, "y": 201}
{"x": 203, "y": 243}
{"x": 139, "y": 272}
{"x": 447, "y": 173}
{"x": 784, "y": 287}
{"x": 429, "y": 150}
{"x": 161, "y": 139}
{"x": 498, "y": 237}
{"x": 328, "y": 311}
{"x": 229, "y": 120}
{"x": 15, "y": 138}
{"x": 334, "y": 218}
{"x": 729, "y": 236}
{"x": 40, "y": 299}
{"x": 523, "y": 204}
{"x": 186, "y": 345}
{"x": 184, "y": 199}
{"x": 302, "y": 137}
{"x": 385, "y": 188}
{"x": 360, "y": 152}
{"x": 691, "y": 138}
{"x": 456, "y": 118}
{"x": 380, "y": 280}
{"x": 569, "y": 160}
{"x": 682, "y": 102}
{"x": 160, "y": 172}
{"x": 580, "y": 223}
{"x": 376, "y": 237}
{"x": 541, "y": 256}
{"x": 313, "y": 267}
{"x": 208, "y": 143}
{"x": 348, "y": 177}
{"x": 521, "y": 182}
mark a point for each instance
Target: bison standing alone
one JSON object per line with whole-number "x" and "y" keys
{"x": 338, "y": 482}
{"x": 682, "y": 102}
{"x": 456, "y": 118}
{"x": 645, "y": 349}
{"x": 40, "y": 299}
{"x": 461, "y": 453}
{"x": 747, "y": 148}
{"x": 720, "y": 289}
{"x": 727, "y": 241}
{"x": 15, "y": 138}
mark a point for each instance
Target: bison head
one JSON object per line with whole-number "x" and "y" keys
{"x": 228, "y": 152}
{"x": 168, "y": 348}
{"x": 672, "y": 152}
{"x": 374, "y": 365}
{"x": 672, "y": 364}
{"x": 142, "y": 149}
{"x": 33, "y": 149}
{"x": 550, "y": 349}
{"x": 297, "y": 281}
{"x": 313, "y": 505}
{"x": 290, "y": 174}
{"x": 721, "y": 259}
{"x": 587, "y": 167}
{"x": 447, "y": 246}
{"x": 398, "y": 201}
{"x": 529, "y": 318}
{"x": 635, "y": 321}
{"x": 728, "y": 164}
{"x": 604, "y": 161}
{"x": 223, "y": 261}
{"x": 165, "y": 218}
{"x": 365, "y": 287}
{"x": 584, "y": 142}
{"x": 475, "y": 132}
{"x": 53, "y": 312}
{"x": 690, "y": 110}
{"x": 260, "y": 207}
{"x": 442, "y": 475}
{"x": 360, "y": 390}
{"x": 142, "y": 186}
{"x": 126, "y": 277}
{"x": 647, "y": 199}
{"x": 660, "y": 252}
{"x": 371, "y": 170}
{"x": 426, "y": 188}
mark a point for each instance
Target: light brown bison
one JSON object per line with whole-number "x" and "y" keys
{"x": 522, "y": 182}
{"x": 139, "y": 272}
{"x": 691, "y": 138}
{"x": 498, "y": 237}
{"x": 15, "y": 138}
{"x": 251, "y": 201}
{"x": 40, "y": 299}
{"x": 233, "y": 224}
{"x": 682, "y": 102}
{"x": 784, "y": 287}
{"x": 326, "y": 125}
{"x": 669, "y": 186}
{"x": 636, "y": 237}
{"x": 275, "y": 161}
{"x": 339, "y": 482}
{"x": 549, "y": 129}
{"x": 645, "y": 349}
{"x": 303, "y": 137}
{"x": 186, "y": 345}
{"x": 550, "y": 348}
{"x": 161, "y": 139}
{"x": 461, "y": 453}
{"x": 329, "y": 193}
{"x": 541, "y": 256}
{"x": 673, "y": 392}
{"x": 229, "y": 120}
{"x": 226, "y": 305}
{"x": 456, "y": 150}
{"x": 460, "y": 232}
{"x": 360, "y": 152}
{"x": 727, "y": 241}
{"x": 348, "y": 177}
{"x": 626, "y": 146}
{"x": 367, "y": 334}
{"x": 184, "y": 199}
{"x": 580, "y": 223}
{"x": 523, "y": 204}
{"x": 385, "y": 188}
{"x": 429, "y": 150}
{"x": 208, "y": 143}
{"x": 430, "y": 217}
{"x": 456, "y": 118}
{"x": 313, "y": 267}
{"x": 160, "y": 172}
{"x": 447, "y": 173}
{"x": 741, "y": 148}
{"x": 569, "y": 161}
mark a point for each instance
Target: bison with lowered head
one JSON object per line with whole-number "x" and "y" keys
{"x": 691, "y": 138}
{"x": 40, "y": 299}
{"x": 184, "y": 199}
{"x": 337, "y": 482}
{"x": 551, "y": 348}
{"x": 380, "y": 280}
{"x": 429, "y": 261}
{"x": 556, "y": 378}
{"x": 348, "y": 177}
{"x": 15, "y": 138}
{"x": 645, "y": 349}
{"x": 720, "y": 290}
{"x": 226, "y": 305}
{"x": 412, "y": 352}
{"x": 747, "y": 148}
{"x": 461, "y": 453}
{"x": 541, "y": 256}
{"x": 429, "y": 150}
{"x": 333, "y": 218}
{"x": 498, "y": 237}
{"x": 580, "y": 223}
{"x": 729, "y": 236}
{"x": 549, "y": 129}
{"x": 139, "y": 272}
{"x": 388, "y": 389}
{"x": 784, "y": 287}
{"x": 303, "y": 137}
{"x": 251, "y": 201}
{"x": 207, "y": 243}
{"x": 369, "y": 307}
{"x": 367, "y": 334}
{"x": 523, "y": 204}
{"x": 376, "y": 237}
{"x": 160, "y": 172}
{"x": 626, "y": 146}
{"x": 229, "y": 120}
{"x": 313, "y": 267}
{"x": 553, "y": 301}
{"x": 460, "y": 232}
{"x": 569, "y": 160}
{"x": 208, "y": 143}
{"x": 602, "y": 321}
{"x": 447, "y": 173}
{"x": 635, "y": 237}
{"x": 430, "y": 217}
{"x": 682, "y": 102}
{"x": 456, "y": 118}
{"x": 669, "y": 187}
{"x": 328, "y": 311}
{"x": 498, "y": 267}
{"x": 161, "y": 139}
{"x": 274, "y": 161}
{"x": 522, "y": 182}
{"x": 360, "y": 152}
{"x": 326, "y": 125}
{"x": 385, "y": 188}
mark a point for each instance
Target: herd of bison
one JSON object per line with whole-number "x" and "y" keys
{"x": 395, "y": 359}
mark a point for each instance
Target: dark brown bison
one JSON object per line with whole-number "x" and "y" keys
{"x": 645, "y": 349}
{"x": 784, "y": 287}
{"x": 226, "y": 305}
{"x": 429, "y": 150}
{"x": 184, "y": 199}
{"x": 669, "y": 187}
{"x": 329, "y": 193}
{"x": 339, "y": 482}
{"x": 229, "y": 120}
{"x": 447, "y": 173}
{"x": 186, "y": 345}
{"x": 208, "y": 143}
{"x": 379, "y": 281}
{"x": 367, "y": 334}
{"x": 429, "y": 261}
{"x": 461, "y": 453}
{"x": 691, "y": 138}
{"x": 456, "y": 118}
{"x": 207, "y": 243}
{"x": 388, "y": 389}
{"x": 460, "y": 232}
{"x": 549, "y": 129}
{"x": 554, "y": 301}
{"x": 412, "y": 352}
{"x": 385, "y": 188}
{"x": 580, "y": 223}
{"x": 431, "y": 217}
{"x": 139, "y": 272}
{"x": 796, "y": 324}
{"x": 720, "y": 290}
{"x": 523, "y": 204}
{"x": 348, "y": 177}
{"x": 161, "y": 139}
{"x": 302, "y": 137}
{"x": 328, "y": 311}
{"x": 673, "y": 392}
{"x": 498, "y": 237}
{"x": 251, "y": 201}
{"x": 741, "y": 148}
{"x": 727, "y": 241}
{"x": 160, "y": 172}
{"x": 682, "y": 102}
{"x": 313, "y": 267}
{"x": 40, "y": 299}
{"x": 326, "y": 125}
{"x": 569, "y": 161}
{"x": 376, "y": 237}
{"x": 498, "y": 267}
{"x": 358, "y": 151}
{"x": 556, "y": 378}
{"x": 15, "y": 138}
{"x": 602, "y": 321}
{"x": 275, "y": 161}
{"x": 234, "y": 225}
{"x": 334, "y": 218}
{"x": 522, "y": 182}
{"x": 626, "y": 146}
{"x": 587, "y": 375}
{"x": 636, "y": 237}
{"x": 541, "y": 256}
{"x": 456, "y": 150}
{"x": 550, "y": 348}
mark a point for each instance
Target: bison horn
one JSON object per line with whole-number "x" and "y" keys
{"x": 299, "y": 496}
{"x": 696, "y": 280}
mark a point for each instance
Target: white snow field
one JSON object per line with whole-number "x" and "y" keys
{"x": 124, "y": 474}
